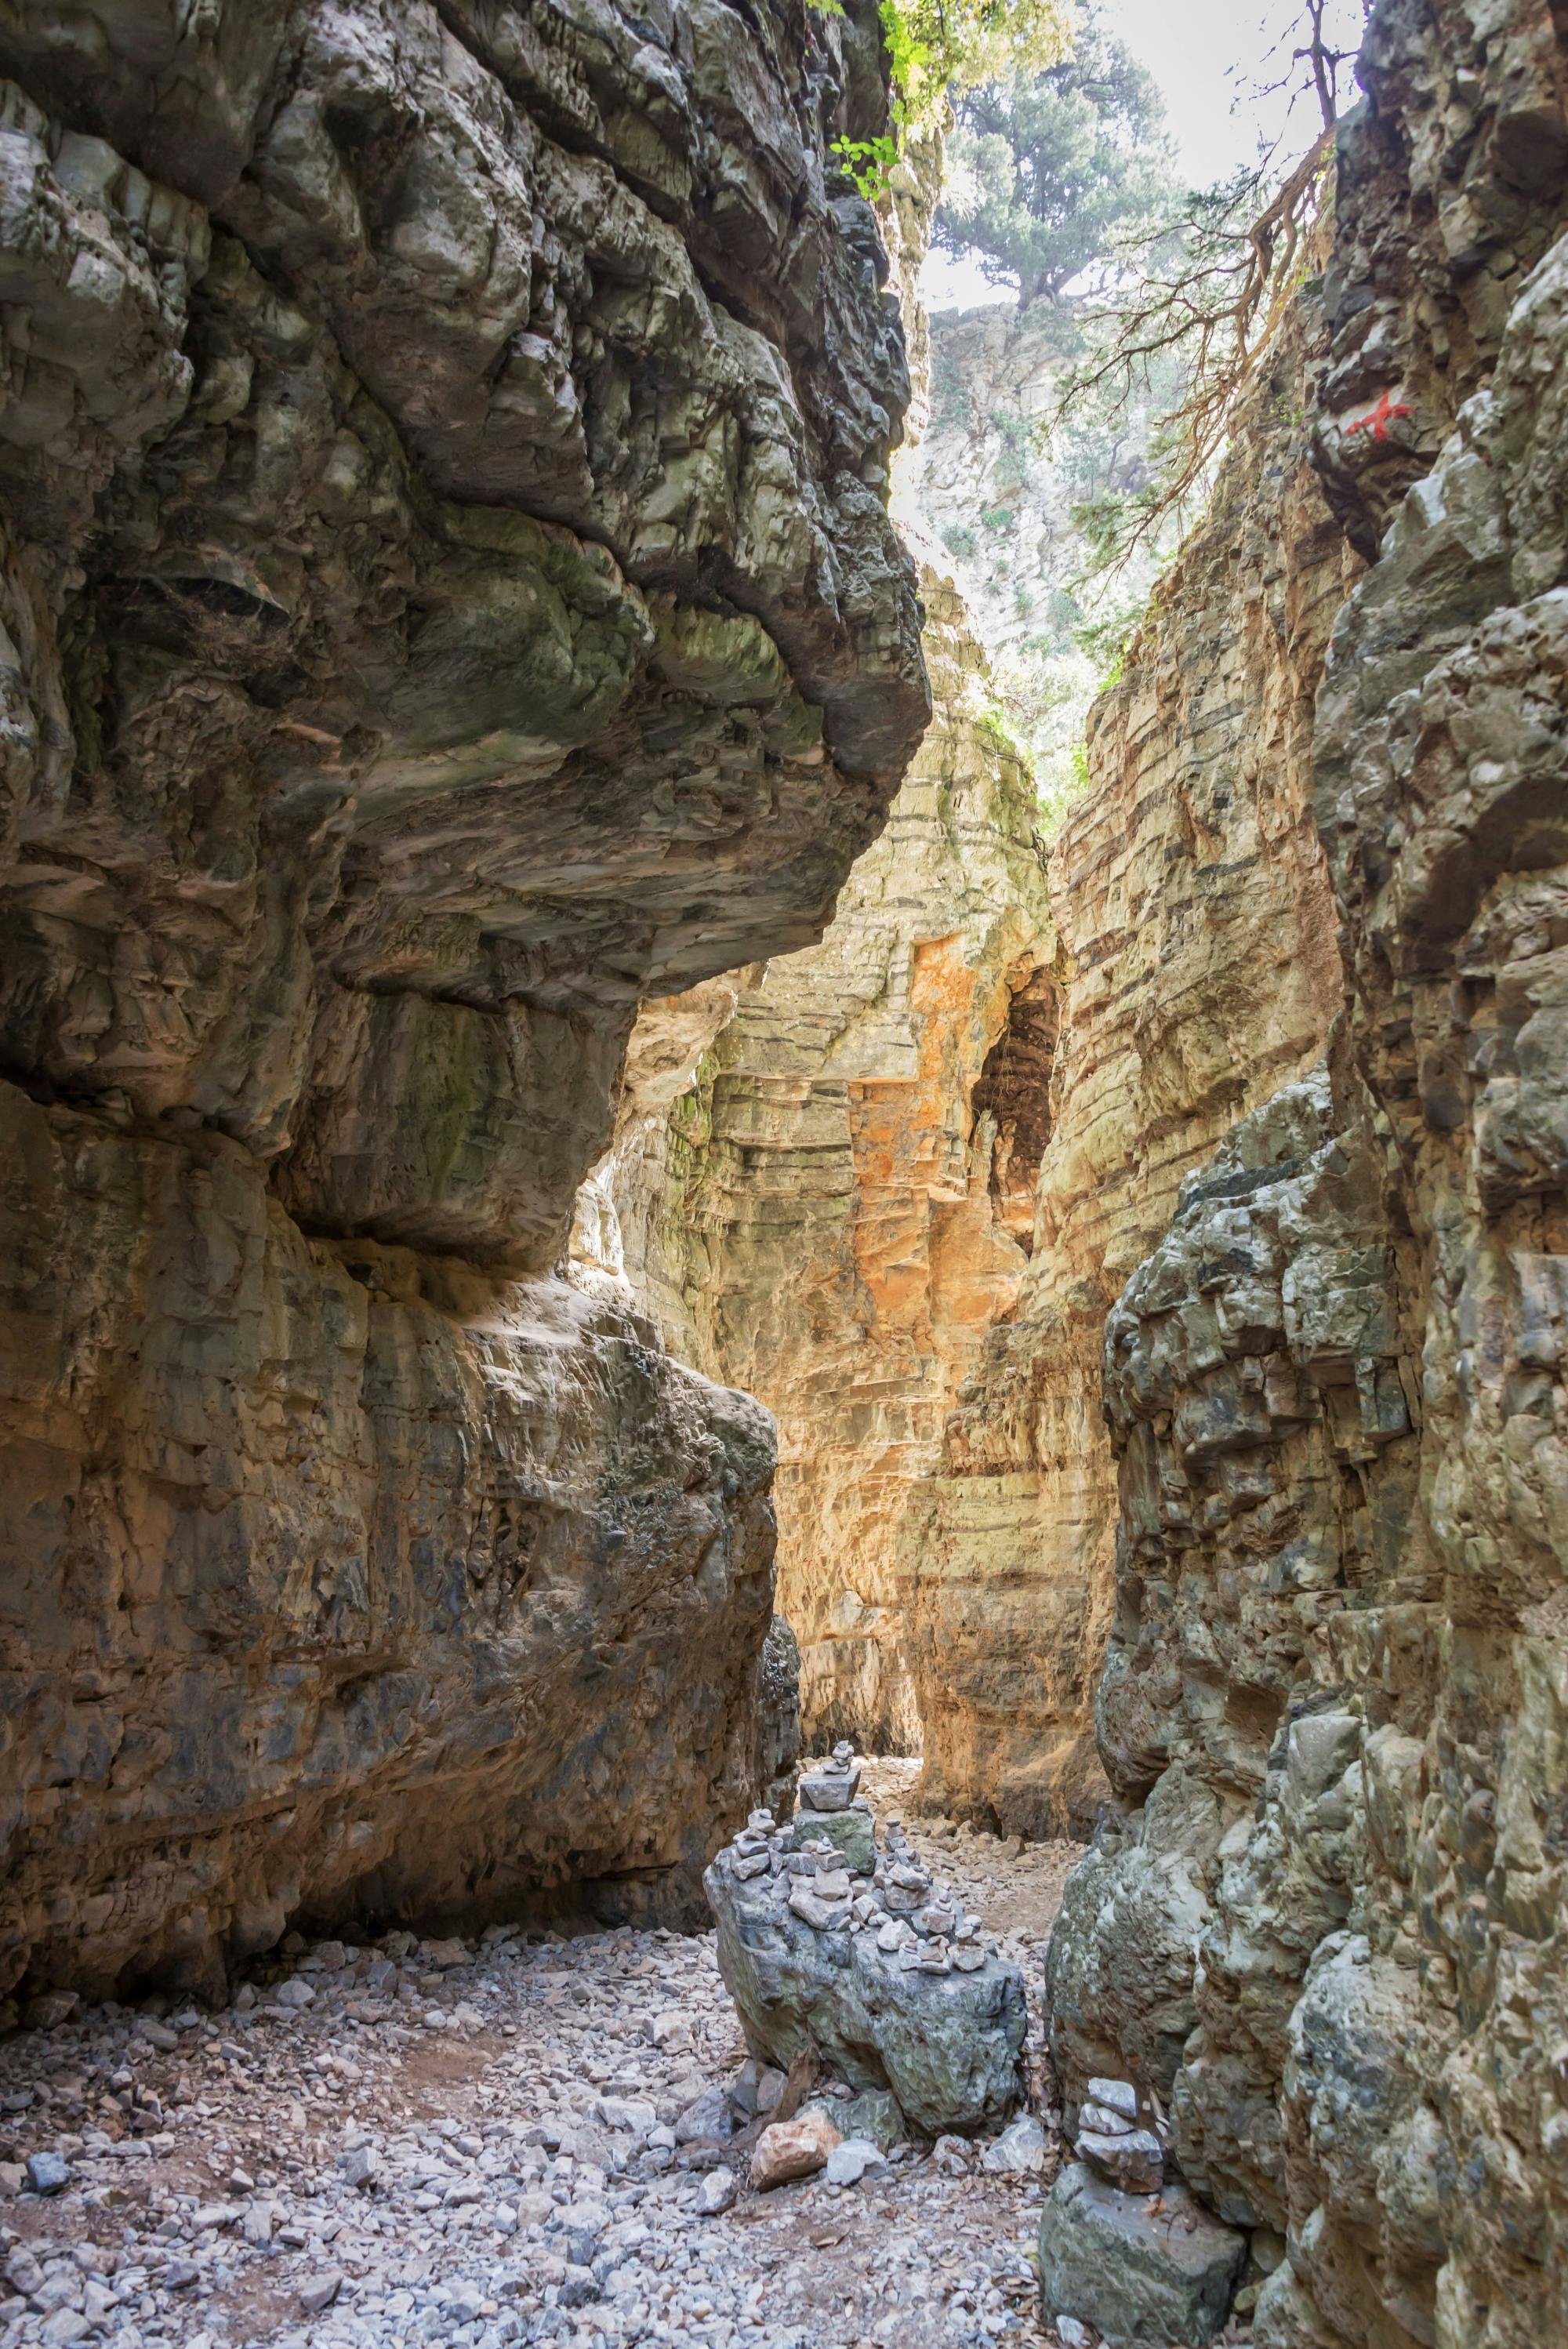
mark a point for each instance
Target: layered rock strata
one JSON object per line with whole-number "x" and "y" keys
{"x": 447, "y": 592}
{"x": 913, "y": 1267}
{"x": 836, "y": 1208}
{"x": 1198, "y": 968}
{"x": 1328, "y": 1925}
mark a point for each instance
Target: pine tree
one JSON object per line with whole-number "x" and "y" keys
{"x": 1047, "y": 171}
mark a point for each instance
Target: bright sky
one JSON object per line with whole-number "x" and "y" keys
{"x": 1193, "y": 48}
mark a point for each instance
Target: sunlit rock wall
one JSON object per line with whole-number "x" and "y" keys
{"x": 1198, "y": 968}
{"x": 836, "y": 1209}
{"x": 447, "y": 593}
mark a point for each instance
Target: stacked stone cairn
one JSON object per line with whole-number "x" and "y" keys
{"x": 834, "y": 1946}
{"x": 1116, "y": 2146}
{"x": 1137, "y": 2258}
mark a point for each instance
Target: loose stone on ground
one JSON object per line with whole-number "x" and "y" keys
{"x": 514, "y": 2140}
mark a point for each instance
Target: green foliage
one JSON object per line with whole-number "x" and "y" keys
{"x": 938, "y": 49}
{"x": 868, "y": 162}
{"x": 996, "y": 518}
{"x": 1215, "y": 284}
{"x": 992, "y": 727}
{"x": 1059, "y": 786}
{"x": 960, "y": 541}
{"x": 1048, "y": 170}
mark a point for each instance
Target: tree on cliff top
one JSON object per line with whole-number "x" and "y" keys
{"x": 1049, "y": 171}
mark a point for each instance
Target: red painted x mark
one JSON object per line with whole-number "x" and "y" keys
{"x": 1378, "y": 420}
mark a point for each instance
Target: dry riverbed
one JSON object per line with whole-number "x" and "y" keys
{"x": 453, "y": 2142}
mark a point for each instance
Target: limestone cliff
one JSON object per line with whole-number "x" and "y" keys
{"x": 447, "y": 592}
{"x": 947, "y": 1492}
{"x": 1329, "y": 1922}
{"x": 837, "y": 1208}
{"x": 1198, "y": 968}
{"x": 996, "y": 477}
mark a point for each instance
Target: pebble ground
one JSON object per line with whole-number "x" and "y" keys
{"x": 449, "y": 2142}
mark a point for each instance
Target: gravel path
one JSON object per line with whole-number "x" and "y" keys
{"x": 472, "y": 2142}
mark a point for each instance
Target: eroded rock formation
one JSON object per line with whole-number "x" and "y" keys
{"x": 832, "y": 1946}
{"x": 1198, "y": 968}
{"x": 836, "y": 1209}
{"x": 447, "y": 593}
{"x": 1329, "y": 1922}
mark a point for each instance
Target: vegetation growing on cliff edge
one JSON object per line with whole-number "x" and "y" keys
{"x": 1206, "y": 293}
{"x": 938, "y": 50}
{"x": 1064, "y": 475}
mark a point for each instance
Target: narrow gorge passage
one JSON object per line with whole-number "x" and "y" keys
{"x": 783, "y": 1175}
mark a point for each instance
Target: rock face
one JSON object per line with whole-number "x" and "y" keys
{"x": 917, "y": 1163}
{"x": 1198, "y": 968}
{"x": 447, "y": 592}
{"x": 1147, "y": 2278}
{"x": 994, "y": 479}
{"x": 858, "y": 1957}
{"x": 1328, "y": 1925}
{"x": 838, "y": 1207}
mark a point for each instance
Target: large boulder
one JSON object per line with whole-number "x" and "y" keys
{"x": 1143, "y": 2269}
{"x": 878, "y": 1973}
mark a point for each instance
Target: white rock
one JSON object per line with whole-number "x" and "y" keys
{"x": 1021, "y": 2148}
{"x": 634, "y": 2113}
{"x": 716, "y": 2192}
{"x": 849, "y": 2162}
{"x": 1117, "y": 2095}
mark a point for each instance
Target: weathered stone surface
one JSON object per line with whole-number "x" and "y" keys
{"x": 407, "y": 1572}
{"x": 793, "y": 2148}
{"x": 447, "y": 592}
{"x": 886, "y": 2007}
{"x": 1333, "y": 1706}
{"x": 1199, "y": 969}
{"x": 998, "y": 481}
{"x": 837, "y": 1210}
{"x": 873, "y": 2116}
{"x": 1161, "y": 2275}
{"x": 852, "y": 1833}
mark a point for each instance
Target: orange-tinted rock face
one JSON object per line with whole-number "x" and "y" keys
{"x": 1198, "y": 970}
{"x": 831, "y": 1211}
{"x": 922, "y": 1159}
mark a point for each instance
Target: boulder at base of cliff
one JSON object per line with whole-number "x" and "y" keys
{"x": 1148, "y": 2272}
{"x": 865, "y": 1963}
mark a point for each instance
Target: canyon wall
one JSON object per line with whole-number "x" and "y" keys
{"x": 447, "y": 594}
{"x": 1328, "y": 1917}
{"x": 1199, "y": 969}
{"x": 893, "y": 1185}
{"x": 837, "y": 1208}
{"x": 997, "y": 478}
